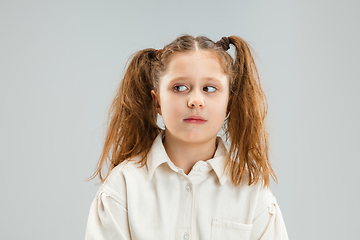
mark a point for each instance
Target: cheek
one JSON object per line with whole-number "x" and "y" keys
{"x": 170, "y": 107}
{"x": 219, "y": 111}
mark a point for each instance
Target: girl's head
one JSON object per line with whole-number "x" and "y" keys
{"x": 192, "y": 97}
{"x": 192, "y": 79}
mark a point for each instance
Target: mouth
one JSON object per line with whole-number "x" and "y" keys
{"x": 195, "y": 120}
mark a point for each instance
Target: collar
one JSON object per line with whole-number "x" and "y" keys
{"x": 157, "y": 156}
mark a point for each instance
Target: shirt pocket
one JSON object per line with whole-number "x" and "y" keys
{"x": 223, "y": 229}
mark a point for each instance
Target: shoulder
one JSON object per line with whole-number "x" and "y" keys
{"x": 116, "y": 183}
{"x": 256, "y": 196}
{"x": 262, "y": 197}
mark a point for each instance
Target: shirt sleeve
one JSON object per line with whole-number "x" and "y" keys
{"x": 269, "y": 224}
{"x": 108, "y": 219}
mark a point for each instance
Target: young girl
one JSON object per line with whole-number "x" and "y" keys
{"x": 182, "y": 182}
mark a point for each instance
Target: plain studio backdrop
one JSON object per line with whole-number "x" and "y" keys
{"x": 61, "y": 62}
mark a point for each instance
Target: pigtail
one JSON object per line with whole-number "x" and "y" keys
{"x": 132, "y": 118}
{"x": 248, "y": 150}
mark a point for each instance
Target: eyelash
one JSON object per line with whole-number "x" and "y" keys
{"x": 178, "y": 86}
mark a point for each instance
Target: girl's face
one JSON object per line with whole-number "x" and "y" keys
{"x": 192, "y": 97}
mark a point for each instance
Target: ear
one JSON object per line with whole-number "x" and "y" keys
{"x": 156, "y": 99}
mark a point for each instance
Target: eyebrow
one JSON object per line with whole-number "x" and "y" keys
{"x": 186, "y": 78}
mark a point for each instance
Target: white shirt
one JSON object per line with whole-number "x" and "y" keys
{"x": 159, "y": 201}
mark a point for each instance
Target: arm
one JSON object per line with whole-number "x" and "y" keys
{"x": 107, "y": 219}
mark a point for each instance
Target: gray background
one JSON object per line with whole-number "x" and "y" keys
{"x": 61, "y": 62}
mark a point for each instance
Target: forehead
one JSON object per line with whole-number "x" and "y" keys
{"x": 195, "y": 64}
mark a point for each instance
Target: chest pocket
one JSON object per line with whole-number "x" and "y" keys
{"x": 222, "y": 229}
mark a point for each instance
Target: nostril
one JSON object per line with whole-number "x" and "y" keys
{"x": 196, "y": 104}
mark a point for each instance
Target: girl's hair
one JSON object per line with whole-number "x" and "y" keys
{"x": 132, "y": 125}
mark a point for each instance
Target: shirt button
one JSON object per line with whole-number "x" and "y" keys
{"x": 186, "y": 236}
{"x": 202, "y": 168}
{"x": 187, "y": 187}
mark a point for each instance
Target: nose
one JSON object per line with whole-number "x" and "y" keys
{"x": 196, "y": 101}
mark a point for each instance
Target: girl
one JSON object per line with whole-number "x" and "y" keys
{"x": 182, "y": 182}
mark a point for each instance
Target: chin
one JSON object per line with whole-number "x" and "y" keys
{"x": 193, "y": 136}
{"x": 198, "y": 138}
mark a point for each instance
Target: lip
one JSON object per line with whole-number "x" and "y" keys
{"x": 195, "y": 120}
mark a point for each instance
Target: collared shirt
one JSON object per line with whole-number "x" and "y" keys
{"x": 159, "y": 201}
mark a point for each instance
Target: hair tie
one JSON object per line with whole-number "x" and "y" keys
{"x": 224, "y": 42}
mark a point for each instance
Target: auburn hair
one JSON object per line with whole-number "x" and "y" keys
{"x": 132, "y": 119}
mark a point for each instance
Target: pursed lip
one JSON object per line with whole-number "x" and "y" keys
{"x": 195, "y": 119}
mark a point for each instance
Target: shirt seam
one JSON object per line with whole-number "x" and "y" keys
{"x": 119, "y": 201}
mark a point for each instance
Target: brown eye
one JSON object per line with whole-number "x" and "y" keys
{"x": 209, "y": 89}
{"x": 180, "y": 88}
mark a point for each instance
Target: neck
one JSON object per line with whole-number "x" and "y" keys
{"x": 185, "y": 154}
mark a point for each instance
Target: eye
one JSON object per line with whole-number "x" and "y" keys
{"x": 209, "y": 89}
{"x": 180, "y": 88}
